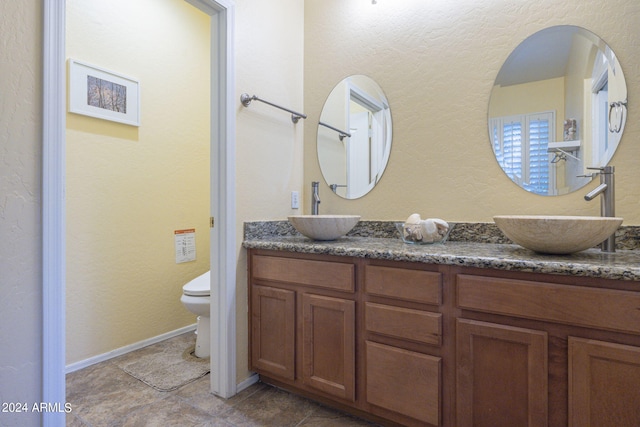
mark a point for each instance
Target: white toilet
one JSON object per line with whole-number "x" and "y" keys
{"x": 196, "y": 299}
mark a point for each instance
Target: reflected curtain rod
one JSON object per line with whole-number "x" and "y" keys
{"x": 246, "y": 101}
{"x": 342, "y": 133}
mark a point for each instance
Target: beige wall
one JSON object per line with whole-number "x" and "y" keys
{"x": 20, "y": 207}
{"x": 436, "y": 62}
{"x": 129, "y": 188}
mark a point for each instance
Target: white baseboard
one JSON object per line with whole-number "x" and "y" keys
{"x": 247, "y": 383}
{"x": 126, "y": 349}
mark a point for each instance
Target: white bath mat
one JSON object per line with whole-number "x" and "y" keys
{"x": 167, "y": 365}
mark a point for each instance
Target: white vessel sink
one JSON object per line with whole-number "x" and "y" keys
{"x": 557, "y": 234}
{"x": 324, "y": 227}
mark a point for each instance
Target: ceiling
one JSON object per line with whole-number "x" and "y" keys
{"x": 542, "y": 56}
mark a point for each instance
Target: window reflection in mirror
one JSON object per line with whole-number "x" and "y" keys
{"x": 558, "y": 107}
{"x": 354, "y": 136}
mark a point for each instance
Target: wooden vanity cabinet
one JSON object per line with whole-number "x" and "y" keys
{"x": 403, "y": 339}
{"x": 364, "y": 335}
{"x": 302, "y": 317}
{"x": 412, "y": 344}
{"x": 540, "y": 350}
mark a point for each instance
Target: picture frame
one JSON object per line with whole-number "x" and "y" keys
{"x": 104, "y": 94}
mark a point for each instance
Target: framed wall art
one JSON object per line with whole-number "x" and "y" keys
{"x": 96, "y": 92}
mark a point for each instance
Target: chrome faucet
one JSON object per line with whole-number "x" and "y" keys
{"x": 315, "y": 198}
{"x": 607, "y": 201}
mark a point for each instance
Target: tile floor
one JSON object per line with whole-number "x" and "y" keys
{"x": 104, "y": 395}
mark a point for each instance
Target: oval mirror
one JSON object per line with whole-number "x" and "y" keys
{"x": 354, "y": 136}
{"x": 558, "y": 107}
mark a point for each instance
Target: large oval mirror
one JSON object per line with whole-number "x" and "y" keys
{"x": 354, "y": 136}
{"x": 558, "y": 108}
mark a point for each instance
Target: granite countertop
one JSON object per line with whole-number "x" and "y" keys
{"x": 468, "y": 252}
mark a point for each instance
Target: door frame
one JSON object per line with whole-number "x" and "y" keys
{"x": 223, "y": 235}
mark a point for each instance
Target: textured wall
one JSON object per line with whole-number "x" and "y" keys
{"x": 437, "y": 61}
{"x": 20, "y": 206}
{"x": 129, "y": 188}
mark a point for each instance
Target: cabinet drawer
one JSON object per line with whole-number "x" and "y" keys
{"x": 324, "y": 274}
{"x": 409, "y": 285}
{"x": 404, "y": 381}
{"x": 404, "y": 323}
{"x": 600, "y": 308}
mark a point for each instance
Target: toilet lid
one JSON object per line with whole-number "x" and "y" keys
{"x": 198, "y": 287}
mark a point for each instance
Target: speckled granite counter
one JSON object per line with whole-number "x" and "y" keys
{"x": 621, "y": 265}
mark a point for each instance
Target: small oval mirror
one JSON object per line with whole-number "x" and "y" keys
{"x": 557, "y": 108}
{"x": 354, "y": 136}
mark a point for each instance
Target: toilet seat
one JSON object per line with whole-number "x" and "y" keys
{"x": 198, "y": 287}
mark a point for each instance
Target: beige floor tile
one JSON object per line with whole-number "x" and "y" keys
{"x": 169, "y": 412}
{"x": 270, "y": 407}
{"x": 102, "y": 395}
{"x": 326, "y": 417}
{"x": 73, "y": 421}
{"x": 198, "y": 395}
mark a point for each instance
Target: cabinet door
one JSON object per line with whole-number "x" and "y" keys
{"x": 501, "y": 375}
{"x": 604, "y": 383}
{"x": 328, "y": 345}
{"x": 404, "y": 381}
{"x": 273, "y": 331}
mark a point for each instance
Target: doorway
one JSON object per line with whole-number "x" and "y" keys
{"x": 222, "y": 236}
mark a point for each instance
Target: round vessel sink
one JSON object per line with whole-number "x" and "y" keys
{"x": 324, "y": 227}
{"x": 557, "y": 234}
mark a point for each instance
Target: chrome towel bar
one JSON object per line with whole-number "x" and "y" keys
{"x": 340, "y": 132}
{"x": 246, "y": 101}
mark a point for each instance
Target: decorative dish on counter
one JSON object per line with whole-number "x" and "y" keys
{"x": 408, "y": 235}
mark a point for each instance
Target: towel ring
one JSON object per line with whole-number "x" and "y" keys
{"x": 619, "y": 108}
